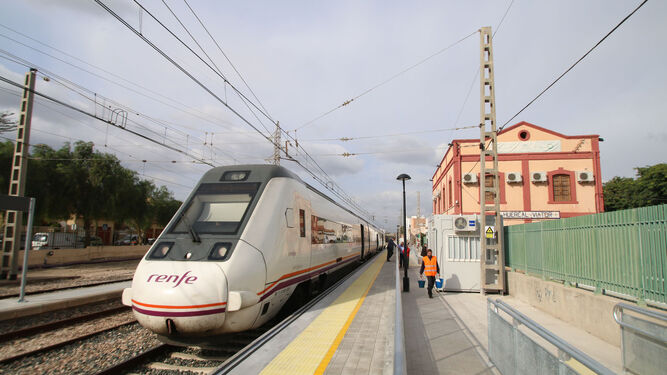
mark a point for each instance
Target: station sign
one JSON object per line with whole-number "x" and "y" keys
{"x": 530, "y": 214}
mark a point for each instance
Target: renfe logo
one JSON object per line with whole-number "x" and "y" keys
{"x": 173, "y": 279}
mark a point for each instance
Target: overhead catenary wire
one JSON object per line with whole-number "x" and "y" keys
{"x": 269, "y": 139}
{"x": 4, "y": 79}
{"x": 573, "y": 65}
{"x": 385, "y": 81}
{"x": 312, "y": 160}
{"x": 190, "y": 111}
{"x": 238, "y": 92}
{"x": 225, "y": 55}
{"x": 132, "y": 111}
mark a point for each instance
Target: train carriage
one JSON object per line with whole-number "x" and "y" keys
{"x": 237, "y": 249}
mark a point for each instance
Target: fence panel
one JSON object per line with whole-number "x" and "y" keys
{"x": 622, "y": 251}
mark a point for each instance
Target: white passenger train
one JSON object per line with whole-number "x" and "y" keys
{"x": 240, "y": 245}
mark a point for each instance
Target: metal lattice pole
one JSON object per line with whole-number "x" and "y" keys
{"x": 14, "y": 219}
{"x": 492, "y": 257}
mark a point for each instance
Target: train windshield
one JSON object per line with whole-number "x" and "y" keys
{"x": 216, "y": 209}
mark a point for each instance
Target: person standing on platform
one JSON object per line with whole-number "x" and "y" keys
{"x": 401, "y": 250}
{"x": 405, "y": 255}
{"x": 390, "y": 248}
{"x": 430, "y": 268}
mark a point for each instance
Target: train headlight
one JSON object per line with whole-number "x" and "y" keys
{"x": 161, "y": 250}
{"x": 235, "y": 176}
{"x": 220, "y": 251}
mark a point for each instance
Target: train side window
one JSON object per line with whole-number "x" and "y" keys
{"x": 302, "y": 222}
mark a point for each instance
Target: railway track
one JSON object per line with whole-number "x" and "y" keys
{"x": 165, "y": 359}
{"x": 44, "y": 334}
{"x": 51, "y": 290}
{"x": 4, "y": 337}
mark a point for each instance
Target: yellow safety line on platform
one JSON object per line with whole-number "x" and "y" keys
{"x": 312, "y": 350}
{"x": 579, "y": 367}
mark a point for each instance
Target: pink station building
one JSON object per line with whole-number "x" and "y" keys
{"x": 543, "y": 175}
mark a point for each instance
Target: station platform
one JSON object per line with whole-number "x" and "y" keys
{"x": 350, "y": 331}
{"x": 455, "y": 326}
{"x": 33, "y": 304}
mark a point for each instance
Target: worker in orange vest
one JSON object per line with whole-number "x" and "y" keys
{"x": 431, "y": 268}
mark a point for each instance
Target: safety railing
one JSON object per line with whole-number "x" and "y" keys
{"x": 618, "y": 252}
{"x": 514, "y": 352}
{"x": 643, "y": 339}
{"x": 400, "y": 361}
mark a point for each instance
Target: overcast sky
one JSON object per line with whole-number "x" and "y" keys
{"x": 304, "y": 59}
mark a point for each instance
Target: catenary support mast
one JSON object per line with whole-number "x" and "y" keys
{"x": 492, "y": 256}
{"x": 14, "y": 219}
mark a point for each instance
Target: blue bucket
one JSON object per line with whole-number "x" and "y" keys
{"x": 421, "y": 283}
{"x": 439, "y": 283}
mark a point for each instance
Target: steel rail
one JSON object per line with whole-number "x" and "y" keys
{"x": 60, "y": 323}
{"x": 561, "y": 344}
{"x": 62, "y": 343}
{"x": 2, "y": 296}
{"x": 134, "y": 361}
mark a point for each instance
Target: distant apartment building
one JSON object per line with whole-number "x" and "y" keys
{"x": 543, "y": 175}
{"x": 417, "y": 226}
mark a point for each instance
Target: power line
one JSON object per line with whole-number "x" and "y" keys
{"x": 201, "y": 117}
{"x": 219, "y": 71}
{"x": 385, "y": 81}
{"x": 157, "y": 49}
{"x": 225, "y": 55}
{"x": 245, "y": 99}
{"x": 347, "y": 139}
{"x": 2, "y": 78}
{"x": 573, "y": 65}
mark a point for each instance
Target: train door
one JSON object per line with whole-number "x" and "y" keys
{"x": 363, "y": 242}
{"x": 377, "y": 241}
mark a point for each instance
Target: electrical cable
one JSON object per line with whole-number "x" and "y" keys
{"x": 573, "y": 65}
{"x": 225, "y": 55}
{"x": 157, "y": 49}
{"x": 2, "y": 78}
{"x": 219, "y": 71}
{"x": 201, "y": 117}
{"x": 386, "y": 81}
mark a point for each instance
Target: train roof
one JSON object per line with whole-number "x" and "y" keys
{"x": 261, "y": 173}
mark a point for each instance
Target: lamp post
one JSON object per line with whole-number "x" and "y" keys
{"x": 406, "y": 260}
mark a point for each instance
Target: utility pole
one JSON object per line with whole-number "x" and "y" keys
{"x": 419, "y": 211}
{"x": 492, "y": 259}
{"x": 14, "y": 219}
{"x": 276, "y": 145}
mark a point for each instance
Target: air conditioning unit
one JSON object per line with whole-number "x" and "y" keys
{"x": 538, "y": 177}
{"x": 469, "y": 178}
{"x": 585, "y": 176}
{"x": 513, "y": 177}
{"x": 465, "y": 223}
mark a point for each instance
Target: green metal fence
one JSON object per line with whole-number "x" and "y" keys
{"x": 622, "y": 251}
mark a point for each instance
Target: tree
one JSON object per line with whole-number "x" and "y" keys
{"x": 7, "y": 123}
{"x": 652, "y": 185}
{"x": 650, "y": 188}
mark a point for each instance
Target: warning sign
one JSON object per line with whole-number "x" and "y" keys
{"x": 490, "y": 232}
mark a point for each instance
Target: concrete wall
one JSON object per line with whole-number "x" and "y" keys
{"x": 40, "y": 258}
{"x": 581, "y": 308}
